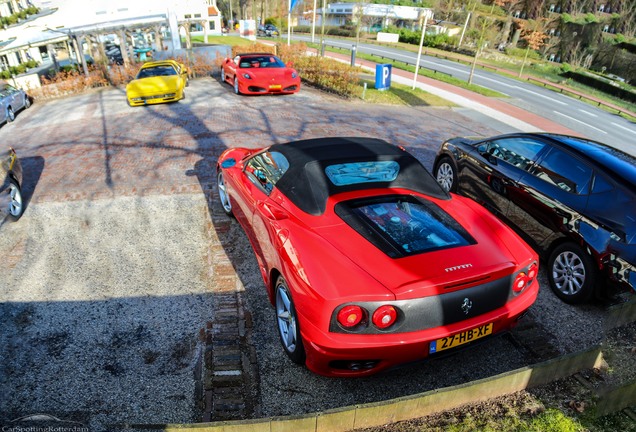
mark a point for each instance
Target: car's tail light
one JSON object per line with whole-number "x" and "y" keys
{"x": 520, "y": 283}
{"x": 533, "y": 271}
{"x": 350, "y": 316}
{"x": 384, "y": 316}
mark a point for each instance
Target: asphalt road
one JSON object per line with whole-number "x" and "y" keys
{"x": 116, "y": 266}
{"x": 572, "y": 113}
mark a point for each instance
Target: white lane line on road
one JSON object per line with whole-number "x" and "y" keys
{"x": 623, "y": 127}
{"x": 498, "y": 91}
{"x": 588, "y": 113}
{"x": 494, "y": 80}
{"x": 540, "y": 95}
{"x": 579, "y": 121}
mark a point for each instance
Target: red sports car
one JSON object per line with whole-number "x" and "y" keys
{"x": 368, "y": 262}
{"x": 258, "y": 73}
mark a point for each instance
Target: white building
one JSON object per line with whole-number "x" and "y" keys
{"x": 63, "y": 21}
{"x": 370, "y": 15}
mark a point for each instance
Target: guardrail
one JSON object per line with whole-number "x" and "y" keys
{"x": 435, "y": 71}
{"x": 581, "y": 96}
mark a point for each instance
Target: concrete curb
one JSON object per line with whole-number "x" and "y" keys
{"x": 409, "y": 407}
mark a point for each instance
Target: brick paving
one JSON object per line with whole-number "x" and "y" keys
{"x": 94, "y": 147}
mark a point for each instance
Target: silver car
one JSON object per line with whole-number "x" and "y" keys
{"x": 11, "y": 203}
{"x": 12, "y": 100}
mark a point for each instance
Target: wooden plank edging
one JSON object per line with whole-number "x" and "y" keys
{"x": 414, "y": 406}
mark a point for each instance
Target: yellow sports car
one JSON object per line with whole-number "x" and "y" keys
{"x": 158, "y": 82}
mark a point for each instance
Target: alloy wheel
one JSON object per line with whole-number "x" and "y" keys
{"x": 568, "y": 273}
{"x": 445, "y": 176}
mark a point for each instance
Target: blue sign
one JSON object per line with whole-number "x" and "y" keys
{"x": 383, "y": 76}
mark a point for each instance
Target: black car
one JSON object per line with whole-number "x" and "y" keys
{"x": 572, "y": 199}
{"x": 268, "y": 30}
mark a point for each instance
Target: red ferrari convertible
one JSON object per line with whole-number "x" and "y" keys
{"x": 368, "y": 262}
{"x": 259, "y": 73}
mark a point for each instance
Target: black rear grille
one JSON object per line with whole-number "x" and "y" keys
{"x": 441, "y": 310}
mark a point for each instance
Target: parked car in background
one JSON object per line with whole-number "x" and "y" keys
{"x": 158, "y": 82}
{"x": 367, "y": 261}
{"x": 12, "y": 100}
{"x": 260, "y": 73}
{"x": 268, "y": 30}
{"x": 573, "y": 199}
{"x": 10, "y": 185}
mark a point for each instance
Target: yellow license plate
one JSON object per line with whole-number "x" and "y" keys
{"x": 460, "y": 338}
{"x": 275, "y": 87}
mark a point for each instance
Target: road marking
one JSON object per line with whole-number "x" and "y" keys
{"x": 498, "y": 91}
{"x": 588, "y": 113}
{"x": 540, "y": 95}
{"x": 495, "y": 81}
{"x": 579, "y": 121}
{"x": 623, "y": 127}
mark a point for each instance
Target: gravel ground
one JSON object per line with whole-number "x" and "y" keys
{"x": 100, "y": 314}
{"x": 98, "y": 329}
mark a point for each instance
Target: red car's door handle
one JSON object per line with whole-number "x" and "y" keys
{"x": 271, "y": 212}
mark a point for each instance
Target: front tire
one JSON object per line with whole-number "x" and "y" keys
{"x": 224, "y": 197}
{"x": 288, "y": 326}
{"x": 16, "y": 205}
{"x": 223, "y": 76}
{"x": 10, "y": 115}
{"x": 571, "y": 273}
{"x": 27, "y": 102}
{"x": 236, "y": 86}
{"x": 446, "y": 174}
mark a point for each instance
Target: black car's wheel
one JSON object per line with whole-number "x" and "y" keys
{"x": 16, "y": 206}
{"x": 236, "y": 86}
{"x": 10, "y": 115}
{"x": 223, "y": 195}
{"x": 571, "y": 273}
{"x": 446, "y": 174}
{"x": 27, "y": 102}
{"x": 288, "y": 327}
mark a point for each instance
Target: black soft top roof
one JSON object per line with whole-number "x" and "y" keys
{"x": 307, "y": 186}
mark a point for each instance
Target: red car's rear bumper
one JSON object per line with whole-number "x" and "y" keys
{"x": 335, "y": 354}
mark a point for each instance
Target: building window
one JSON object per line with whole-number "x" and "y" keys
{"x": 606, "y": 28}
{"x": 212, "y": 25}
{"x": 122, "y": 10}
{"x": 601, "y": 8}
{"x": 197, "y": 15}
{"x": 552, "y": 7}
{"x": 187, "y": 16}
{"x": 101, "y": 13}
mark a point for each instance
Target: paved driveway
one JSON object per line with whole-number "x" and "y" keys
{"x": 119, "y": 264}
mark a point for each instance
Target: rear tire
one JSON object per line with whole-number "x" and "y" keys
{"x": 571, "y": 273}
{"x": 287, "y": 323}
{"x": 446, "y": 174}
{"x": 10, "y": 115}
{"x": 236, "y": 86}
